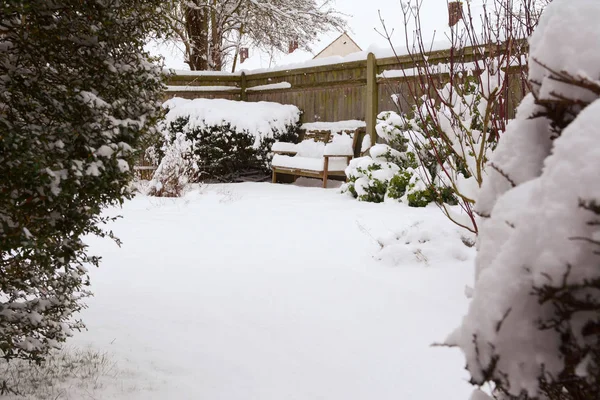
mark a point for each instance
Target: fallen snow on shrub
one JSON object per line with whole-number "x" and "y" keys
{"x": 218, "y": 140}
{"x": 335, "y": 127}
{"x": 261, "y": 119}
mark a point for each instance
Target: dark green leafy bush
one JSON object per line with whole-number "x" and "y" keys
{"x": 76, "y": 93}
{"x": 223, "y": 153}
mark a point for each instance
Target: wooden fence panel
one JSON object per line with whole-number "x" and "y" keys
{"x": 328, "y": 92}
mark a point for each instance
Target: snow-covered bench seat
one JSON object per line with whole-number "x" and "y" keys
{"x": 320, "y": 155}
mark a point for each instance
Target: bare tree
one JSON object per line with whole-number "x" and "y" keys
{"x": 212, "y": 31}
{"x": 458, "y": 107}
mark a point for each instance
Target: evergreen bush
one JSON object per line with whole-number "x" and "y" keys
{"x": 77, "y": 91}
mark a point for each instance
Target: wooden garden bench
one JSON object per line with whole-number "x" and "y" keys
{"x": 337, "y": 151}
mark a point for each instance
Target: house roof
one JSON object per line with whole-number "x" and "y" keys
{"x": 335, "y": 40}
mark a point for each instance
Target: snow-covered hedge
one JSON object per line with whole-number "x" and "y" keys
{"x": 393, "y": 170}
{"x": 219, "y": 140}
{"x": 533, "y": 326}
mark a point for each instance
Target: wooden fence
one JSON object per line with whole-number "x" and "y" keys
{"x": 335, "y": 92}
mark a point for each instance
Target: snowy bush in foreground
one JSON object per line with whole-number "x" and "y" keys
{"x": 76, "y": 92}
{"x": 219, "y": 140}
{"x": 533, "y": 327}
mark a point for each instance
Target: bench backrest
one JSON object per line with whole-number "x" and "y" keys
{"x": 326, "y": 136}
{"x": 317, "y": 136}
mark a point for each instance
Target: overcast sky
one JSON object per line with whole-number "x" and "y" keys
{"x": 364, "y": 19}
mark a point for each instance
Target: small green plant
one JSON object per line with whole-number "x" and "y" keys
{"x": 368, "y": 178}
{"x": 398, "y": 185}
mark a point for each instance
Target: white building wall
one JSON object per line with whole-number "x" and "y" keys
{"x": 342, "y": 46}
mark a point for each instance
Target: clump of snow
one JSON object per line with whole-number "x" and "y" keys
{"x": 565, "y": 42}
{"x": 538, "y": 235}
{"x": 341, "y": 145}
{"x": 284, "y": 147}
{"x": 426, "y": 242}
{"x": 310, "y": 148}
{"x": 334, "y": 127}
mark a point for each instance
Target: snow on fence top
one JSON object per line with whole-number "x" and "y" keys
{"x": 270, "y": 86}
{"x": 182, "y": 72}
{"x": 192, "y": 88}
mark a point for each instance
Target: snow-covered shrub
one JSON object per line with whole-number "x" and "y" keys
{"x": 176, "y": 168}
{"x": 532, "y": 328}
{"x": 463, "y": 101}
{"x": 389, "y": 174}
{"x": 76, "y": 93}
{"x": 219, "y": 140}
{"x": 452, "y": 134}
{"x": 396, "y": 170}
{"x": 368, "y": 178}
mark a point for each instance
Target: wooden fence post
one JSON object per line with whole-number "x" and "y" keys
{"x": 372, "y": 97}
{"x": 243, "y": 86}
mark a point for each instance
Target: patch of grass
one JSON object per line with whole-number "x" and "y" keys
{"x": 63, "y": 372}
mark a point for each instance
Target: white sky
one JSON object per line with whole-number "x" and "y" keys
{"x": 365, "y": 19}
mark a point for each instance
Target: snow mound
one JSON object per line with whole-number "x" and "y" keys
{"x": 334, "y": 127}
{"x": 426, "y": 242}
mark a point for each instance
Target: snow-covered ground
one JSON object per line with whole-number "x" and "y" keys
{"x": 259, "y": 291}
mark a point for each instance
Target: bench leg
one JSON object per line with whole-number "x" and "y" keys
{"x": 274, "y": 177}
{"x": 325, "y": 169}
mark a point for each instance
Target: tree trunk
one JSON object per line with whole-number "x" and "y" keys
{"x": 216, "y": 53}
{"x": 196, "y": 24}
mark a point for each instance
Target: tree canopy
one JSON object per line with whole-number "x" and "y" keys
{"x": 213, "y": 31}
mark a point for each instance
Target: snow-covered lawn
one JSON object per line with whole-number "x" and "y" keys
{"x": 262, "y": 291}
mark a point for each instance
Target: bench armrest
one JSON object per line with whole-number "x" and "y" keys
{"x": 338, "y": 156}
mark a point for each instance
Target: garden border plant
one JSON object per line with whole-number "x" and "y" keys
{"x": 462, "y": 105}
{"x": 208, "y": 152}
